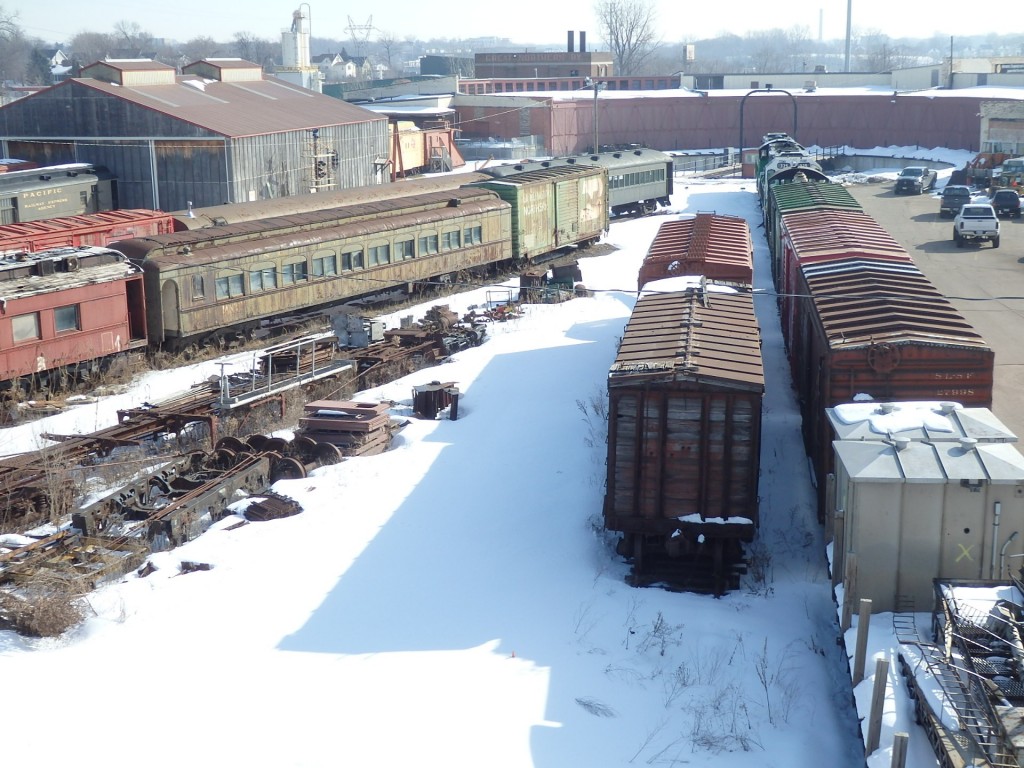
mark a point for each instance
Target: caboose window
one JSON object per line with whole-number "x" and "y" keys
{"x": 230, "y": 286}
{"x": 294, "y": 273}
{"x": 450, "y": 241}
{"x": 428, "y": 245}
{"x": 325, "y": 265}
{"x": 66, "y": 319}
{"x": 198, "y": 289}
{"x": 25, "y": 327}
{"x": 473, "y": 235}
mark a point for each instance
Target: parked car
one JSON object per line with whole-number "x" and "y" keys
{"x": 1006, "y": 202}
{"x": 915, "y": 180}
{"x": 954, "y": 197}
{"x": 977, "y": 221}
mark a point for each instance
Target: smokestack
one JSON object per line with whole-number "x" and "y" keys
{"x": 583, "y": 41}
{"x": 572, "y": 42}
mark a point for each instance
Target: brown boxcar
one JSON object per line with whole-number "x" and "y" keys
{"x": 717, "y": 247}
{"x": 88, "y": 229}
{"x": 881, "y": 332}
{"x": 66, "y": 311}
{"x": 684, "y": 435}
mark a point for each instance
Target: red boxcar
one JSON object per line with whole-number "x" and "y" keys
{"x": 88, "y": 229}
{"x": 66, "y": 312}
{"x": 717, "y": 247}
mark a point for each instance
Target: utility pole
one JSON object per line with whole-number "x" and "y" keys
{"x": 849, "y": 31}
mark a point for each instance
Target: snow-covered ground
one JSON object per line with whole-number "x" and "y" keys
{"x": 455, "y": 600}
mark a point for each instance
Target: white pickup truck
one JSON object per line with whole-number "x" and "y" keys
{"x": 976, "y": 221}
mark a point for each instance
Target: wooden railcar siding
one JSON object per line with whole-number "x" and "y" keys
{"x": 679, "y": 453}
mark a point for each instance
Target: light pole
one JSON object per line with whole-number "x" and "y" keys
{"x": 766, "y": 89}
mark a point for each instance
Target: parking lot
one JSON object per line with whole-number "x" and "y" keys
{"x": 986, "y": 284}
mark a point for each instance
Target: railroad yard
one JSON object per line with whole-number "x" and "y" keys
{"x": 786, "y": 577}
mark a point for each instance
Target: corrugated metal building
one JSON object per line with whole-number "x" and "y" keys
{"x": 219, "y": 133}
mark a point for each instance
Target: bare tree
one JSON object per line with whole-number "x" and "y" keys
{"x": 629, "y": 29}
{"x": 880, "y": 54}
{"x": 89, "y": 47}
{"x": 254, "y": 49}
{"x": 14, "y": 49}
{"x": 132, "y": 38}
{"x": 388, "y": 45}
{"x": 199, "y": 48}
{"x": 778, "y": 50}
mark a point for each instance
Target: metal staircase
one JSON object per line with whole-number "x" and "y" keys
{"x": 977, "y": 736}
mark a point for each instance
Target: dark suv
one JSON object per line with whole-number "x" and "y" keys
{"x": 1006, "y": 202}
{"x": 954, "y": 196}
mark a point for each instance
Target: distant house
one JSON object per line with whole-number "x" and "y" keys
{"x": 340, "y": 66}
{"x": 60, "y": 64}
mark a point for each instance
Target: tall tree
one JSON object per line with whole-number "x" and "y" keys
{"x": 14, "y": 49}
{"x": 629, "y": 28}
{"x": 254, "y": 49}
{"x": 90, "y": 47}
{"x": 132, "y": 39}
{"x": 199, "y": 48}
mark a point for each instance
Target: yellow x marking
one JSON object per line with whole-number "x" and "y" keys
{"x": 964, "y": 552}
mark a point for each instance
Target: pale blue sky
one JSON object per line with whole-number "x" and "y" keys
{"x": 523, "y": 21}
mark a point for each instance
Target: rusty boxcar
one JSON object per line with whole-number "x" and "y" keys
{"x": 67, "y": 312}
{"x": 717, "y": 247}
{"x": 684, "y": 431}
{"x": 88, "y": 229}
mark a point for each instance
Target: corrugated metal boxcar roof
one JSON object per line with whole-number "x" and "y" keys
{"x": 837, "y": 233}
{"x": 855, "y": 310}
{"x": 554, "y": 173}
{"x": 694, "y": 336}
{"x": 235, "y": 109}
{"x": 708, "y": 244}
{"x": 797, "y": 195}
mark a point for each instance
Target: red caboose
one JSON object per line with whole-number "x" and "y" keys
{"x": 67, "y": 312}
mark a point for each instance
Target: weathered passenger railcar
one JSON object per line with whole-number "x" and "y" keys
{"x": 88, "y": 229}
{"x": 227, "y": 286}
{"x": 554, "y": 208}
{"x": 684, "y": 434}
{"x": 715, "y": 246}
{"x": 65, "y": 312}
